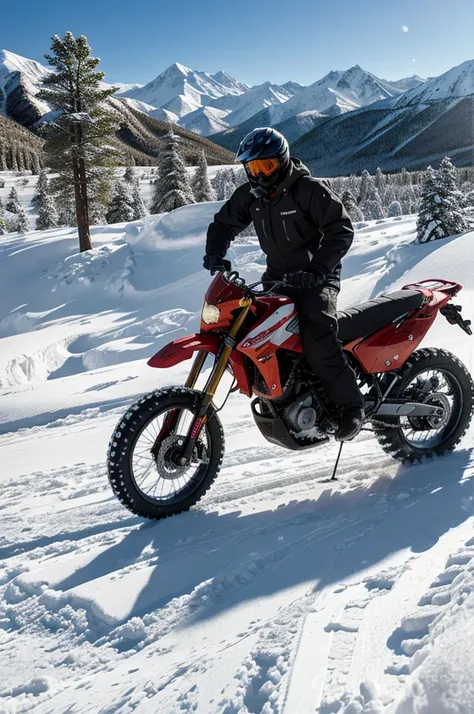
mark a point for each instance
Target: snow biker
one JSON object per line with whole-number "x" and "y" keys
{"x": 304, "y": 231}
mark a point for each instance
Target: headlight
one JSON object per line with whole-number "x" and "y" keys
{"x": 210, "y": 314}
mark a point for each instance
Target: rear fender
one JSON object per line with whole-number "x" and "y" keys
{"x": 183, "y": 349}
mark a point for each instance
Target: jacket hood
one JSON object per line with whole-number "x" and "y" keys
{"x": 297, "y": 169}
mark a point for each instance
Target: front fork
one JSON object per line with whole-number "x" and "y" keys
{"x": 205, "y": 408}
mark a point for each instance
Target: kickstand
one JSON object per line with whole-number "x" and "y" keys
{"x": 334, "y": 477}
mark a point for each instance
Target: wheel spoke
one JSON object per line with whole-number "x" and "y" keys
{"x": 172, "y": 480}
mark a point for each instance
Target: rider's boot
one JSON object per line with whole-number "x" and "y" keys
{"x": 350, "y": 423}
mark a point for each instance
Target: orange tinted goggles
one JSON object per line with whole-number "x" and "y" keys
{"x": 262, "y": 166}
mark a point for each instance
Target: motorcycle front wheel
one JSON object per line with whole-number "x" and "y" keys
{"x": 143, "y": 466}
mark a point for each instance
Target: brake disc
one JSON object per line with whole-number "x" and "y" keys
{"x": 425, "y": 423}
{"x": 167, "y": 466}
{"x": 167, "y": 459}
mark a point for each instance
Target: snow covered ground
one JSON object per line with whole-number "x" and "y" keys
{"x": 280, "y": 593}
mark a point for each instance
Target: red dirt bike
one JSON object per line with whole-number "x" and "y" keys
{"x": 169, "y": 446}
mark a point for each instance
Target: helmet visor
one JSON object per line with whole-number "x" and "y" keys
{"x": 265, "y": 167}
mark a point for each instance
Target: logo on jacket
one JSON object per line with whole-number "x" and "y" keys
{"x": 287, "y": 213}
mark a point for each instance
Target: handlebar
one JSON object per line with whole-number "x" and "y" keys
{"x": 232, "y": 276}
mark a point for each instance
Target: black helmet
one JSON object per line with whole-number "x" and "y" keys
{"x": 264, "y": 143}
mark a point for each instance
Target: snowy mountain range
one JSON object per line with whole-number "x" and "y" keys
{"x": 418, "y": 127}
{"x": 207, "y": 104}
{"x": 345, "y": 121}
{"x": 210, "y": 103}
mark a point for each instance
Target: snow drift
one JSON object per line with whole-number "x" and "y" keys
{"x": 280, "y": 593}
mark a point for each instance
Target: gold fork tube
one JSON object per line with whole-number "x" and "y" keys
{"x": 198, "y": 364}
{"x": 219, "y": 369}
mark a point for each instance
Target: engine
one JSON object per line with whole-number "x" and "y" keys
{"x": 301, "y": 414}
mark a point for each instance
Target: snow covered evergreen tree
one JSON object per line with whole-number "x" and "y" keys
{"x": 366, "y": 184}
{"x": 394, "y": 209}
{"x": 13, "y": 204}
{"x": 138, "y": 204}
{"x": 379, "y": 181}
{"x": 407, "y": 198}
{"x": 121, "y": 205}
{"x": 372, "y": 206}
{"x": 201, "y": 185}
{"x": 440, "y": 213}
{"x": 172, "y": 187}
{"x": 350, "y": 204}
{"x": 229, "y": 184}
{"x": 469, "y": 199}
{"x": 240, "y": 177}
{"x": 129, "y": 175}
{"x": 388, "y": 196}
{"x": 81, "y": 134}
{"x": 42, "y": 188}
{"x": 22, "y": 223}
{"x": 45, "y": 205}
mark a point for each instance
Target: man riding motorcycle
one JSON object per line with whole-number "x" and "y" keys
{"x": 305, "y": 231}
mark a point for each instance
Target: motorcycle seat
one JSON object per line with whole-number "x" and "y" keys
{"x": 368, "y": 317}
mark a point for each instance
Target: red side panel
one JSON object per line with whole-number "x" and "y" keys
{"x": 183, "y": 349}
{"x": 390, "y": 347}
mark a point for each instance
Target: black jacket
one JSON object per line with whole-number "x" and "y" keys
{"x": 304, "y": 227}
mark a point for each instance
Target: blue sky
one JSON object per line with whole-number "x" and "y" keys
{"x": 255, "y": 40}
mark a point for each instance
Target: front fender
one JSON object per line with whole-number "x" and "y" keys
{"x": 182, "y": 349}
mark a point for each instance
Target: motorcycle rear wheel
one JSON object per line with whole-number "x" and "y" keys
{"x": 153, "y": 485}
{"x": 437, "y": 377}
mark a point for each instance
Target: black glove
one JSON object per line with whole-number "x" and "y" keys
{"x": 216, "y": 264}
{"x": 302, "y": 280}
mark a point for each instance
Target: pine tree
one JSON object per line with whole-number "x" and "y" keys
{"x": 366, "y": 184}
{"x": 372, "y": 206}
{"x": 22, "y": 223}
{"x": 350, "y": 204}
{"x": 45, "y": 205}
{"x": 172, "y": 188}
{"x": 405, "y": 179}
{"x": 388, "y": 196}
{"x": 469, "y": 198}
{"x": 217, "y": 184}
{"x": 440, "y": 214}
{"x": 379, "y": 181}
{"x": 13, "y": 204}
{"x": 42, "y": 188}
{"x": 121, "y": 208}
{"x": 138, "y": 204}
{"x": 394, "y": 209}
{"x": 79, "y": 139}
{"x": 201, "y": 185}
{"x": 240, "y": 177}
{"x": 408, "y": 199}
{"x": 129, "y": 175}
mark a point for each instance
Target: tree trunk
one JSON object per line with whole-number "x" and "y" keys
{"x": 80, "y": 194}
{"x": 81, "y": 215}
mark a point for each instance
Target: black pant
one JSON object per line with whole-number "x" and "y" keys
{"x": 321, "y": 346}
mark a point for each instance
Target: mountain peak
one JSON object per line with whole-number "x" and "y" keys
{"x": 11, "y": 62}
{"x": 177, "y": 68}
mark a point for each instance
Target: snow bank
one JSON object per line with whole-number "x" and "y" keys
{"x": 441, "y": 669}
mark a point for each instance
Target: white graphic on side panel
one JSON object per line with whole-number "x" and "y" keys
{"x": 262, "y": 332}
